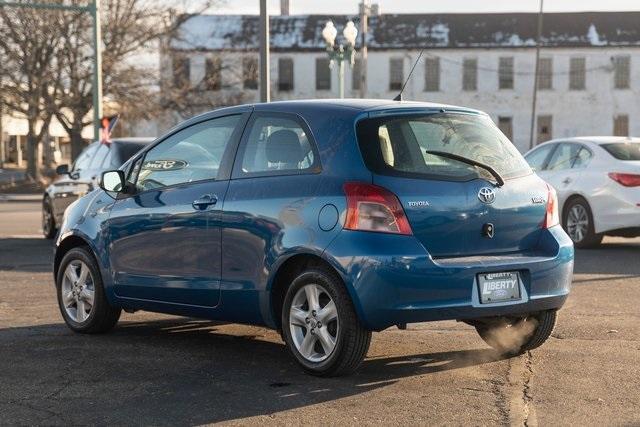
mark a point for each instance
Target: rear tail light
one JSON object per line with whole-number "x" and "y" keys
{"x": 552, "y": 217}
{"x": 373, "y": 208}
{"x": 626, "y": 179}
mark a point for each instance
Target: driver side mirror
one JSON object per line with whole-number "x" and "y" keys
{"x": 112, "y": 181}
{"x": 62, "y": 170}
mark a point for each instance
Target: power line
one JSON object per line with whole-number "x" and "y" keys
{"x": 608, "y": 68}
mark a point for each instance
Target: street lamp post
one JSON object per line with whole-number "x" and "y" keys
{"x": 339, "y": 52}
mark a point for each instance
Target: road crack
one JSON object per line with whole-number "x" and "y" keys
{"x": 527, "y": 399}
{"x": 520, "y": 375}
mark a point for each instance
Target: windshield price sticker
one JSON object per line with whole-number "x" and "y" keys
{"x": 164, "y": 165}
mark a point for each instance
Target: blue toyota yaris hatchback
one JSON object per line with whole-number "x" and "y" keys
{"x": 325, "y": 220}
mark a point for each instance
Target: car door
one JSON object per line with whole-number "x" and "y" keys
{"x": 165, "y": 239}
{"x": 272, "y": 203}
{"x": 69, "y": 187}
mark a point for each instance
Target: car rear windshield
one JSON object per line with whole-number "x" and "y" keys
{"x": 398, "y": 146}
{"x": 623, "y": 150}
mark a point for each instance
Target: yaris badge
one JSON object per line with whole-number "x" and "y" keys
{"x": 486, "y": 195}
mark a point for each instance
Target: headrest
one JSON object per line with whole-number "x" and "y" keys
{"x": 283, "y": 146}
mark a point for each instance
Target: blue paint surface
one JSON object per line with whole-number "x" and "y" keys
{"x": 156, "y": 252}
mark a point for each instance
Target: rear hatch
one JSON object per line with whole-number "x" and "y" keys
{"x": 452, "y": 205}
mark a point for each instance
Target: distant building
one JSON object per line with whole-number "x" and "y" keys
{"x": 13, "y": 141}
{"x": 589, "y": 68}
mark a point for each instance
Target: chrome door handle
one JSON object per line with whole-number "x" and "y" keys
{"x": 205, "y": 201}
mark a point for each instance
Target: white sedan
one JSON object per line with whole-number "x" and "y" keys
{"x": 598, "y": 184}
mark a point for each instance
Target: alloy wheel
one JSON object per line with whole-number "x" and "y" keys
{"x": 78, "y": 291}
{"x": 314, "y": 323}
{"x": 47, "y": 216}
{"x": 577, "y": 223}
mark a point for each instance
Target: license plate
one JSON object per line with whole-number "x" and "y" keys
{"x": 498, "y": 287}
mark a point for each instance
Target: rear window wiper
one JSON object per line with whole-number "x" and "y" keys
{"x": 492, "y": 171}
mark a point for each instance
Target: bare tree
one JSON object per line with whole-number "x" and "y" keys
{"x": 131, "y": 29}
{"x": 29, "y": 42}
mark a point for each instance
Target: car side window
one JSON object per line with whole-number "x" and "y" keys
{"x": 192, "y": 154}
{"x": 563, "y": 157}
{"x": 536, "y": 159}
{"x": 582, "y": 158}
{"x": 84, "y": 159}
{"x": 277, "y": 145}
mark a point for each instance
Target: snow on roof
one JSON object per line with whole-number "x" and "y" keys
{"x": 415, "y": 31}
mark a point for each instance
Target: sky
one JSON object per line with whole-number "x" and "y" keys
{"x": 428, "y": 6}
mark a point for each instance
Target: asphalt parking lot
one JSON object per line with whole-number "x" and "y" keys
{"x": 155, "y": 369}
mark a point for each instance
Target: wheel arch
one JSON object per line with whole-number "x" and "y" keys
{"x": 572, "y": 197}
{"x": 65, "y": 245}
{"x": 597, "y": 227}
{"x": 287, "y": 270}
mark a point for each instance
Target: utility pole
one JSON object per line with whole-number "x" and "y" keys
{"x": 365, "y": 11}
{"x": 536, "y": 77}
{"x": 265, "y": 89}
{"x": 97, "y": 69}
{"x": 94, "y": 10}
{"x": 2, "y": 154}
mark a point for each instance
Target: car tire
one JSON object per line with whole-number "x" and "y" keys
{"x": 335, "y": 348}
{"x": 48, "y": 220}
{"x": 81, "y": 297}
{"x": 577, "y": 221}
{"x": 511, "y": 337}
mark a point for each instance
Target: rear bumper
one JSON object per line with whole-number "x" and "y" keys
{"x": 617, "y": 208}
{"x": 393, "y": 281}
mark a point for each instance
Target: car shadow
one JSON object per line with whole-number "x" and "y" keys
{"x": 617, "y": 257}
{"x": 30, "y": 254}
{"x": 181, "y": 372}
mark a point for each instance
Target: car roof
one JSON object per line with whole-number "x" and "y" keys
{"x": 138, "y": 140}
{"x": 598, "y": 140}
{"x": 361, "y": 104}
{"x": 354, "y": 105}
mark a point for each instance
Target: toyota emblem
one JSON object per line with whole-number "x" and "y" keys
{"x": 486, "y": 195}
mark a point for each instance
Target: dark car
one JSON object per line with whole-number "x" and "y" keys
{"x": 326, "y": 220}
{"x": 83, "y": 177}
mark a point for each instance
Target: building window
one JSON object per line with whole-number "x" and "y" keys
{"x": 432, "y": 74}
{"x": 396, "y": 73}
{"x": 250, "y": 73}
{"x": 356, "y": 74}
{"x": 506, "y": 126}
{"x": 470, "y": 74}
{"x": 545, "y": 74}
{"x": 577, "y": 71}
{"x": 505, "y": 73}
{"x": 323, "y": 74}
{"x": 181, "y": 72}
{"x": 545, "y": 130}
{"x": 285, "y": 74}
{"x": 213, "y": 74}
{"x": 621, "y": 125}
{"x": 622, "y": 70}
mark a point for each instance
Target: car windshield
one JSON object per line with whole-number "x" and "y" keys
{"x": 401, "y": 146}
{"x": 624, "y": 150}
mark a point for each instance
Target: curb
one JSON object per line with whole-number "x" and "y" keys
{"x": 20, "y": 197}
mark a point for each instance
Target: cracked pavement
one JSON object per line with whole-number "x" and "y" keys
{"x": 163, "y": 370}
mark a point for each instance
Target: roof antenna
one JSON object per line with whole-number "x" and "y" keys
{"x": 399, "y": 96}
